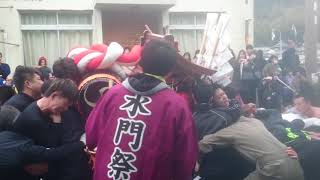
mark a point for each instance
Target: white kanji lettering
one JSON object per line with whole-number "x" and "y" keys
{"x": 121, "y": 165}
{"x": 136, "y": 105}
{"x": 133, "y": 128}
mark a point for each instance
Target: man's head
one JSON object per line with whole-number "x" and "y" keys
{"x": 300, "y": 72}
{"x": 28, "y": 80}
{"x": 219, "y": 97}
{"x": 302, "y": 104}
{"x": 60, "y": 94}
{"x": 206, "y": 93}
{"x": 66, "y": 69}
{"x": 8, "y": 115}
{"x": 249, "y": 49}
{"x": 158, "y": 58}
{"x": 202, "y": 92}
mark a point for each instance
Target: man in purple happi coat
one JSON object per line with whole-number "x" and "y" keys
{"x": 142, "y": 129}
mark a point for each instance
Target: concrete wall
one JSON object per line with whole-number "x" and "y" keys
{"x": 10, "y": 23}
{"x": 238, "y": 9}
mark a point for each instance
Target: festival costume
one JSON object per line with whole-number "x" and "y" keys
{"x": 169, "y": 148}
{"x": 142, "y": 131}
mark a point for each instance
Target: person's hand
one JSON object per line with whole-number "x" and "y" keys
{"x": 291, "y": 153}
{"x": 268, "y": 78}
{"x": 56, "y": 118}
{"x": 36, "y": 169}
{"x": 197, "y": 167}
{"x": 313, "y": 135}
{"x": 83, "y": 138}
{"x": 243, "y": 60}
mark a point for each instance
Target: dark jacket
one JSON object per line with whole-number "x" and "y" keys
{"x": 4, "y": 70}
{"x": 290, "y": 135}
{"x": 75, "y": 166}
{"x": 38, "y": 126}
{"x": 6, "y": 92}
{"x": 217, "y": 164}
{"x": 16, "y": 151}
{"x": 20, "y": 101}
{"x": 290, "y": 60}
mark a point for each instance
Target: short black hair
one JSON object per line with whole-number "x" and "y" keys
{"x": 158, "y": 57}
{"x": 45, "y": 86}
{"x": 249, "y": 46}
{"x": 6, "y": 92}
{"x": 202, "y": 92}
{"x": 8, "y": 115}
{"x": 65, "y": 68}
{"x": 22, "y": 74}
{"x": 66, "y": 87}
{"x": 307, "y": 91}
{"x": 300, "y": 70}
{"x": 215, "y": 87}
{"x": 306, "y": 98}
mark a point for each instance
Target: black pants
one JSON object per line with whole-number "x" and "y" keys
{"x": 309, "y": 157}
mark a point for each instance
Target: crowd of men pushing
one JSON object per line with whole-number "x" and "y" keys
{"x": 143, "y": 130}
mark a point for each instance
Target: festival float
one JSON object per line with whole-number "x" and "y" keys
{"x": 104, "y": 66}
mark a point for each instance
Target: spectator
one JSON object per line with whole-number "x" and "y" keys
{"x": 290, "y": 60}
{"x": 272, "y": 68}
{"x": 139, "y": 111}
{"x": 195, "y": 57}
{"x": 43, "y": 68}
{"x": 18, "y": 153}
{"x": 238, "y": 65}
{"x": 28, "y": 83}
{"x": 250, "y": 51}
{"x": 248, "y": 77}
{"x": 187, "y": 56}
{"x": 299, "y": 77}
{"x": 259, "y": 64}
{"x": 4, "y": 69}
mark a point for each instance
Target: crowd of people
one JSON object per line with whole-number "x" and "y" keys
{"x": 143, "y": 130}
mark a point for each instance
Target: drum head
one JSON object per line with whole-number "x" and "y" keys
{"x": 92, "y": 88}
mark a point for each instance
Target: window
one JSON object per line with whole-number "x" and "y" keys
{"x": 52, "y": 34}
{"x": 187, "y": 28}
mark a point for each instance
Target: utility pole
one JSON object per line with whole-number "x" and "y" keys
{"x": 311, "y": 35}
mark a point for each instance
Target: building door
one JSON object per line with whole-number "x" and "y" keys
{"x": 126, "y": 27}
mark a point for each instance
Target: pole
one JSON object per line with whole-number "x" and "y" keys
{"x": 311, "y": 39}
{"x": 281, "y": 50}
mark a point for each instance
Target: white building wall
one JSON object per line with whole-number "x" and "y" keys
{"x": 238, "y": 9}
{"x": 10, "y": 19}
{"x": 10, "y": 22}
